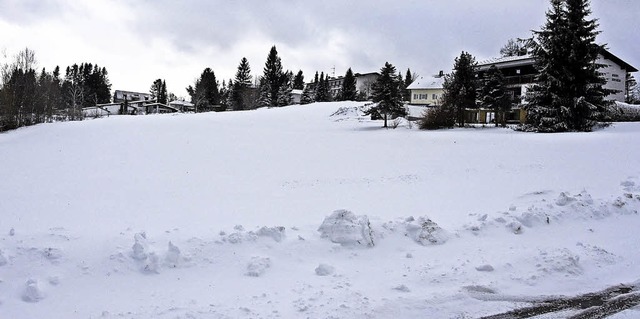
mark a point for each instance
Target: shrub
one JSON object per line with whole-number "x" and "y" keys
{"x": 437, "y": 118}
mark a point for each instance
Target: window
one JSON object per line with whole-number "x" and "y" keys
{"x": 434, "y": 96}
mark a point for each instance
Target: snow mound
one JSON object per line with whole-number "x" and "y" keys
{"x": 32, "y": 291}
{"x": 139, "y": 248}
{"x": 325, "y": 270}
{"x": 345, "y": 228}
{"x": 277, "y": 233}
{"x": 559, "y": 261}
{"x": 172, "y": 259}
{"x": 487, "y": 268}
{"x": 151, "y": 265}
{"x": 258, "y": 266}
{"x": 346, "y": 111}
{"x": 3, "y": 259}
{"x": 425, "y": 231}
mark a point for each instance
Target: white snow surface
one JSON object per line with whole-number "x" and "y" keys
{"x": 216, "y": 215}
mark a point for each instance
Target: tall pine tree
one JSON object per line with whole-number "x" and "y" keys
{"x": 460, "y": 87}
{"x": 272, "y": 79}
{"x": 568, "y": 93}
{"x": 494, "y": 95}
{"x": 240, "y": 95}
{"x": 348, "y": 90}
{"x": 387, "y": 94}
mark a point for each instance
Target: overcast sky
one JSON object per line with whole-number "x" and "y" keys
{"x": 142, "y": 40}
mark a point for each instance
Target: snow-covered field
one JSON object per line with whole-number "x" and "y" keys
{"x": 225, "y": 215}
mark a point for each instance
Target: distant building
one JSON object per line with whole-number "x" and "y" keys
{"x": 296, "y": 96}
{"x": 364, "y": 83}
{"x": 182, "y": 106}
{"x": 120, "y": 96}
{"x": 426, "y": 91}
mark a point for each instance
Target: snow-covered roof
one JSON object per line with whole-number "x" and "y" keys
{"x": 509, "y": 61}
{"x": 183, "y": 103}
{"x": 426, "y": 83}
{"x": 296, "y": 91}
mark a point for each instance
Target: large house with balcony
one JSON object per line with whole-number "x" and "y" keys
{"x": 520, "y": 73}
{"x": 364, "y": 84}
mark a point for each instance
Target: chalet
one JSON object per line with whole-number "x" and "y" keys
{"x": 426, "y": 91}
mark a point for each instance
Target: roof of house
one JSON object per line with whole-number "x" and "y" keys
{"x": 608, "y": 55}
{"x": 512, "y": 61}
{"x": 508, "y": 61}
{"x": 182, "y": 103}
{"x": 426, "y": 83}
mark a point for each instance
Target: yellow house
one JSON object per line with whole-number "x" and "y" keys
{"x": 426, "y": 91}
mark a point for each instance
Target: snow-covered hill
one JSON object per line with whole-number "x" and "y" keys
{"x": 224, "y": 215}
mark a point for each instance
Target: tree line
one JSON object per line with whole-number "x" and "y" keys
{"x": 29, "y": 97}
{"x": 273, "y": 88}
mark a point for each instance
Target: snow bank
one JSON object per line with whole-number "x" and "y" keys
{"x": 345, "y": 228}
{"x": 32, "y": 291}
{"x": 258, "y": 266}
{"x": 425, "y": 232}
{"x": 325, "y": 270}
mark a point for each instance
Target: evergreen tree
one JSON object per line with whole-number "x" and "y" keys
{"x": 387, "y": 94}
{"x": 273, "y": 78}
{"x": 284, "y": 94}
{"x": 409, "y": 78}
{"x": 264, "y": 98}
{"x": 321, "y": 93}
{"x": 240, "y": 99}
{"x": 155, "y": 89}
{"x": 298, "y": 81}
{"x": 205, "y": 95}
{"x": 568, "y": 93}
{"x": 308, "y": 95}
{"x": 494, "y": 95}
{"x": 348, "y": 90}
{"x": 460, "y": 87}
{"x": 513, "y": 47}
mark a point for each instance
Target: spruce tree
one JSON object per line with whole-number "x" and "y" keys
{"x": 241, "y": 86}
{"x": 206, "y": 93}
{"x": 409, "y": 78}
{"x": 273, "y": 77}
{"x": 494, "y": 95}
{"x": 387, "y": 94}
{"x": 348, "y": 90}
{"x": 284, "y": 94}
{"x": 321, "y": 89}
{"x": 308, "y": 95}
{"x": 460, "y": 87}
{"x": 568, "y": 92}
{"x": 298, "y": 81}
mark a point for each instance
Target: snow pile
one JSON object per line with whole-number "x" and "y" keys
{"x": 325, "y": 270}
{"x": 173, "y": 258}
{"x": 258, "y": 266}
{"x": 32, "y": 291}
{"x": 240, "y": 235}
{"x": 345, "y": 228}
{"x": 3, "y": 259}
{"x": 547, "y": 210}
{"x": 276, "y": 233}
{"x": 347, "y": 111}
{"x": 425, "y": 232}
